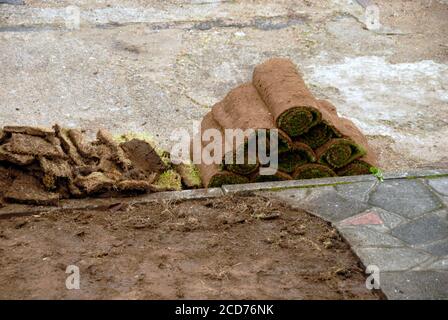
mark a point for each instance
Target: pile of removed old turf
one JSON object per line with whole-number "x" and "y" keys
{"x": 314, "y": 141}
{"x": 41, "y": 166}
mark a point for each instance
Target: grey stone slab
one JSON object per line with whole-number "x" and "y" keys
{"x": 361, "y": 236}
{"x": 324, "y": 202}
{"x": 391, "y": 220}
{"x": 438, "y": 248}
{"x": 442, "y": 214}
{"x": 304, "y": 183}
{"x": 426, "y": 229}
{"x": 185, "y": 194}
{"x": 413, "y": 285}
{"x": 440, "y": 185}
{"x": 358, "y": 190}
{"x": 441, "y": 264}
{"x": 391, "y": 259}
{"x": 409, "y": 198}
{"x": 420, "y": 173}
{"x": 375, "y": 218}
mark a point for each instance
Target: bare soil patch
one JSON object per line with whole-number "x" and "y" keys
{"x": 245, "y": 247}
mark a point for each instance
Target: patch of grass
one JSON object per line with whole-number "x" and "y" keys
{"x": 189, "y": 174}
{"x": 377, "y": 172}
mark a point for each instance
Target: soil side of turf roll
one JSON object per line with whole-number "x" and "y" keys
{"x": 243, "y": 108}
{"x": 282, "y": 89}
{"x": 212, "y": 174}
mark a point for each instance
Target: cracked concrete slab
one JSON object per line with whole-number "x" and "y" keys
{"x": 152, "y": 66}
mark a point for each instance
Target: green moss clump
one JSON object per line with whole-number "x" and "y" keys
{"x": 191, "y": 178}
{"x": 169, "y": 180}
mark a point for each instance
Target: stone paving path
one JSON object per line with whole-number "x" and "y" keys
{"x": 399, "y": 225}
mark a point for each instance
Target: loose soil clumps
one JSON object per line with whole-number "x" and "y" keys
{"x": 314, "y": 141}
{"x": 41, "y": 166}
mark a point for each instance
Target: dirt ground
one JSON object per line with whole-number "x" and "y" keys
{"x": 245, "y": 247}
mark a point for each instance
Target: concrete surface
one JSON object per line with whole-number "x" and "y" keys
{"x": 154, "y": 66}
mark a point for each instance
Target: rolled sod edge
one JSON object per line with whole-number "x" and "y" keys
{"x": 346, "y": 134}
{"x": 294, "y": 108}
{"x": 278, "y": 176}
{"x": 213, "y": 175}
{"x": 313, "y": 170}
{"x": 299, "y": 155}
{"x": 342, "y": 146}
{"x": 359, "y": 166}
{"x": 322, "y": 132}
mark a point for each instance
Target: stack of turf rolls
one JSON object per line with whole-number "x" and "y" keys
{"x": 314, "y": 142}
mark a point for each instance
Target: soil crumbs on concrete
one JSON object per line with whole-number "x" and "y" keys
{"x": 240, "y": 247}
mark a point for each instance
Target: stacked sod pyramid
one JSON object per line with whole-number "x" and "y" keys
{"x": 314, "y": 141}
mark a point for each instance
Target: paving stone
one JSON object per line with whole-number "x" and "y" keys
{"x": 366, "y": 218}
{"x": 324, "y": 202}
{"x": 409, "y": 198}
{"x": 359, "y": 236}
{"x": 415, "y": 285}
{"x": 439, "y": 248}
{"x": 442, "y": 214}
{"x": 420, "y": 173}
{"x": 358, "y": 191}
{"x": 185, "y": 194}
{"x": 440, "y": 185}
{"x": 424, "y": 230}
{"x": 391, "y": 259}
{"x": 371, "y": 218}
{"x": 441, "y": 264}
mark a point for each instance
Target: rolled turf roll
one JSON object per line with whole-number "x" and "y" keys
{"x": 284, "y": 141}
{"x": 299, "y": 155}
{"x": 292, "y": 105}
{"x": 323, "y": 131}
{"x": 313, "y": 170}
{"x": 214, "y": 175}
{"x": 243, "y": 109}
{"x": 339, "y": 152}
{"x": 360, "y": 166}
{"x": 278, "y": 176}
